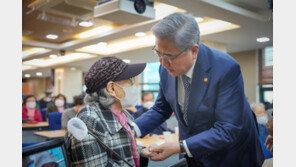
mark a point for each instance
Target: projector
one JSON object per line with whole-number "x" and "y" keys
{"x": 125, "y": 11}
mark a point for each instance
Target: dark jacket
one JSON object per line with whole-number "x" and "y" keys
{"x": 159, "y": 130}
{"x": 52, "y": 108}
{"x": 221, "y": 129}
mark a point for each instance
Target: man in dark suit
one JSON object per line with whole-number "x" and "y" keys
{"x": 147, "y": 103}
{"x": 204, "y": 88}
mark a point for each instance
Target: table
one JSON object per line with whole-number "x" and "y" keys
{"x": 51, "y": 134}
{"x": 37, "y": 126}
{"x": 157, "y": 139}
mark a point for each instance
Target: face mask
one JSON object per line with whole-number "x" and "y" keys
{"x": 148, "y": 104}
{"x": 59, "y": 103}
{"x": 262, "y": 120}
{"x": 31, "y": 105}
{"x": 48, "y": 99}
{"x": 131, "y": 97}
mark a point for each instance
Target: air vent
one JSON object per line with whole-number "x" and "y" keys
{"x": 82, "y": 9}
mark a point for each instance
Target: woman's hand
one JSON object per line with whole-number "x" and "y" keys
{"x": 269, "y": 143}
{"x": 145, "y": 152}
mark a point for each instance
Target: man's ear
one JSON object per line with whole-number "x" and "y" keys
{"x": 110, "y": 89}
{"x": 195, "y": 50}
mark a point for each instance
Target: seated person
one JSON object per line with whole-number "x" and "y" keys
{"x": 110, "y": 91}
{"x": 269, "y": 140}
{"x": 45, "y": 101}
{"x": 262, "y": 119}
{"x": 29, "y": 110}
{"x": 58, "y": 106}
{"x": 71, "y": 112}
{"x": 147, "y": 103}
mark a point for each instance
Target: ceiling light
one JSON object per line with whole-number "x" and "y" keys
{"x": 27, "y": 75}
{"x": 199, "y": 19}
{"x": 140, "y": 34}
{"x": 120, "y": 45}
{"x": 95, "y": 31}
{"x": 73, "y": 68}
{"x": 24, "y": 68}
{"x": 33, "y": 51}
{"x": 52, "y": 36}
{"x": 53, "y": 56}
{"x": 86, "y": 23}
{"x": 127, "y": 60}
{"x": 214, "y": 26}
{"x": 263, "y": 39}
{"x": 102, "y": 44}
{"x": 39, "y": 73}
{"x": 162, "y": 10}
{"x": 43, "y": 62}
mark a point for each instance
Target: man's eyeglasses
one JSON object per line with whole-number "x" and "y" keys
{"x": 167, "y": 56}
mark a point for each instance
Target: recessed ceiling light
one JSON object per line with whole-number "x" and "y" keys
{"x": 263, "y": 39}
{"x": 33, "y": 51}
{"x": 140, "y": 34}
{"x": 39, "y": 73}
{"x": 73, "y": 68}
{"x": 52, "y": 36}
{"x": 127, "y": 60}
{"x": 70, "y": 57}
{"x": 102, "y": 44}
{"x": 94, "y": 31}
{"x": 86, "y": 23}
{"x": 199, "y": 19}
{"x": 27, "y": 75}
{"x": 120, "y": 45}
{"x": 53, "y": 56}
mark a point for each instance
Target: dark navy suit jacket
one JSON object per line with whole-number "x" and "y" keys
{"x": 221, "y": 129}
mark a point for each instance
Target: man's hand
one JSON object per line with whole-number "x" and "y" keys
{"x": 269, "y": 143}
{"x": 163, "y": 151}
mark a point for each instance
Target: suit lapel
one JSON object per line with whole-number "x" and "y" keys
{"x": 200, "y": 81}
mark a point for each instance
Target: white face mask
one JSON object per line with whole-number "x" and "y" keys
{"x": 148, "y": 104}
{"x": 48, "y": 99}
{"x": 31, "y": 104}
{"x": 131, "y": 98}
{"x": 262, "y": 120}
{"x": 59, "y": 103}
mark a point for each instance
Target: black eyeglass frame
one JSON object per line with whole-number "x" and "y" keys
{"x": 167, "y": 56}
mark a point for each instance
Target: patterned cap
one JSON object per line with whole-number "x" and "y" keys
{"x": 110, "y": 69}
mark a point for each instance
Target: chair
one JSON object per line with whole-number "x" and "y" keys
{"x": 54, "y": 120}
{"x": 43, "y": 112}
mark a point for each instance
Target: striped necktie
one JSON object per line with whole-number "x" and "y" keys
{"x": 186, "y": 96}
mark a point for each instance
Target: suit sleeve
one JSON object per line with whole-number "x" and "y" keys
{"x": 228, "y": 117}
{"x": 155, "y": 116}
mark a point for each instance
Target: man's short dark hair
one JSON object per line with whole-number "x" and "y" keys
{"x": 145, "y": 94}
{"x": 78, "y": 100}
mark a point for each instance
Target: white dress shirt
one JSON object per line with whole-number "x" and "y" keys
{"x": 181, "y": 95}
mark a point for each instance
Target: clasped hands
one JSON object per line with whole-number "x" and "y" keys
{"x": 160, "y": 152}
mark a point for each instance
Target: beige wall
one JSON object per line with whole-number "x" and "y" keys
{"x": 247, "y": 61}
{"x": 38, "y": 85}
{"x": 68, "y": 82}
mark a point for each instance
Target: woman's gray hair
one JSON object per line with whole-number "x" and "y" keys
{"x": 102, "y": 97}
{"x": 179, "y": 27}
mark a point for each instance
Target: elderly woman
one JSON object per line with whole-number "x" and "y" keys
{"x": 110, "y": 91}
